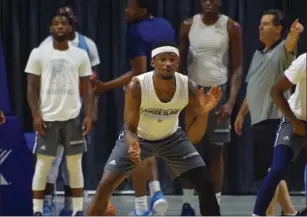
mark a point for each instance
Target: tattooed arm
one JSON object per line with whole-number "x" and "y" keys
{"x": 132, "y": 110}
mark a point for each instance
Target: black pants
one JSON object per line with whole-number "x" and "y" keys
{"x": 264, "y": 135}
{"x": 199, "y": 178}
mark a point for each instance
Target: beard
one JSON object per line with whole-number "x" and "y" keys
{"x": 60, "y": 38}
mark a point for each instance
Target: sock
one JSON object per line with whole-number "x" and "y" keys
{"x": 218, "y": 197}
{"x": 141, "y": 205}
{"x": 281, "y": 159}
{"x": 38, "y": 205}
{"x": 68, "y": 203}
{"x": 154, "y": 187}
{"x": 77, "y": 204}
{"x": 188, "y": 195}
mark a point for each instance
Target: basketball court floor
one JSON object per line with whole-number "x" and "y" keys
{"x": 230, "y": 205}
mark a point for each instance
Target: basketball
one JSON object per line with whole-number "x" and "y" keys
{"x": 111, "y": 211}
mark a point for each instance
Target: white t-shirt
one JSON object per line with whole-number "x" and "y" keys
{"x": 92, "y": 48}
{"x": 296, "y": 74}
{"x": 159, "y": 120}
{"x": 59, "y": 72}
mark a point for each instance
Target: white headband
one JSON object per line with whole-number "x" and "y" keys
{"x": 164, "y": 49}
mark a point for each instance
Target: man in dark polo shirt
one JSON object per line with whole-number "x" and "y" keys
{"x": 268, "y": 65}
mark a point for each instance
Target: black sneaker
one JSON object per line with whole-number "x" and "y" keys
{"x": 79, "y": 213}
{"x": 302, "y": 212}
{"x": 38, "y": 214}
{"x": 187, "y": 210}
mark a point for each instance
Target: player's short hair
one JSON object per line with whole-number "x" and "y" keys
{"x": 146, "y": 4}
{"x": 60, "y": 15}
{"x": 163, "y": 44}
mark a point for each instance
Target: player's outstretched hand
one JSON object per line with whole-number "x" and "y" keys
{"x": 135, "y": 152}
{"x": 209, "y": 100}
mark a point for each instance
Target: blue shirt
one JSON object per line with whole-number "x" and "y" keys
{"x": 142, "y": 36}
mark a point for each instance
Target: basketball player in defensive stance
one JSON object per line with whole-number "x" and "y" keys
{"x": 54, "y": 71}
{"x": 292, "y": 134}
{"x": 143, "y": 32}
{"x": 153, "y": 102}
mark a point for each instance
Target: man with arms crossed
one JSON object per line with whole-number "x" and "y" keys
{"x": 153, "y": 102}
{"x": 54, "y": 72}
{"x": 292, "y": 133}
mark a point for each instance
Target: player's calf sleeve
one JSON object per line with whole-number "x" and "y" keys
{"x": 281, "y": 159}
{"x": 199, "y": 178}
